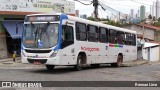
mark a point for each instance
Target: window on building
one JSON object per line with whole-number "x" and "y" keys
{"x": 103, "y": 35}
{"x": 92, "y": 33}
{"x": 81, "y": 33}
{"x": 112, "y": 36}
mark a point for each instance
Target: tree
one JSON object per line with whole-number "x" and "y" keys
{"x": 150, "y": 16}
{"x": 154, "y": 18}
{"x": 91, "y": 18}
{"x": 159, "y": 19}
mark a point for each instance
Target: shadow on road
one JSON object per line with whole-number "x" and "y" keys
{"x": 69, "y": 69}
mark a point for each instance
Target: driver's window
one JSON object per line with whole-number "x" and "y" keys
{"x": 67, "y": 36}
{"x": 67, "y": 33}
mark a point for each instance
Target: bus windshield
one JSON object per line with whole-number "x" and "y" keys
{"x": 40, "y": 35}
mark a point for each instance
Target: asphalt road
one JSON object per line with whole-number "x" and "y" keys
{"x": 146, "y": 72}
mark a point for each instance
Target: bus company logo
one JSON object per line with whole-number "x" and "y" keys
{"x": 6, "y": 84}
{"x": 89, "y": 49}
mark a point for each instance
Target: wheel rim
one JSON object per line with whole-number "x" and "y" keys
{"x": 79, "y": 62}
{"x": 119, "y": 61}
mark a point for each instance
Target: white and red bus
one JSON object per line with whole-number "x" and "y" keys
{"x": 60, "y": 39}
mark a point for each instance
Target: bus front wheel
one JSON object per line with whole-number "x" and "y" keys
{"x": 50, "y": 67}
{"x": 118, "y": 63}
{"x": 78, "y": 67}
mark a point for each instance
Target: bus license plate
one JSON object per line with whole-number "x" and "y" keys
{"x": 36, "y": 63}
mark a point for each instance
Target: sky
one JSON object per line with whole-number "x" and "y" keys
{"x": 123, "y": 6}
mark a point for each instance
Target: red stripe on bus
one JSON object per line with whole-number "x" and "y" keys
{"x": 111, "y": 45}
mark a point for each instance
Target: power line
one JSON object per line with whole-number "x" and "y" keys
{"x": 141, "y": 3}
{"x": 83, "y": 3}
{"x": 105, "y": 7}
{"x": 119, "y": 4}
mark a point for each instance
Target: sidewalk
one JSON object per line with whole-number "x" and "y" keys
{"x": 9, "y": 64}
{"x": 134, "y": 63}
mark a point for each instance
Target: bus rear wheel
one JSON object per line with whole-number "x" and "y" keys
{"x": 118, "y": 63}
{"x": 95, "y": 65}
{"x": 50, "y": 67}
{"x": 78, "y": 67}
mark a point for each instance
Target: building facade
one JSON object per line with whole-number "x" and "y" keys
{"x": 13, "y": 11}
{"x": 157, "y": 9}
{"x": 142, "y": 12}
{"x": 148, "y": 32}
{"x": 132, "y": 13}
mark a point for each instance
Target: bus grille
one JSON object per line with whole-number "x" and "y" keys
{"x": 38, "y": 51}
{"x": 42, "y": 61}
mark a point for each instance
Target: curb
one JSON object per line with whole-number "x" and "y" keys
{"x": 9, "y": 60}
{"x": 134, "y": 63}
{"x": 6, "y": 60}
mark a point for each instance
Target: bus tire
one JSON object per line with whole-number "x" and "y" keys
{"x": 78, "y": 67}
{"x": 118, "y": 63}
{"x": 50, "y": 67}
{"x": 95, "y": 65}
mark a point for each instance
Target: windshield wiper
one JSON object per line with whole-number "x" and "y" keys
{"x": 44, "y": 29}
{"x": 36, "y": 33}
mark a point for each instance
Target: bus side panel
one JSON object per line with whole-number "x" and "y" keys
{"x": 130, "y": 53}
{"x": 68, "y": 56}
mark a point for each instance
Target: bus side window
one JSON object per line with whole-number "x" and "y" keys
{"x": 103, "y": 35}
{"x": 133, "y": 40}
{"x": 92, "y": 33}
{"x": 120, "y": 37}
{"x": 127, "y": 39}
{"x": 67, "y": 36}
{"x": 81, "y": 33}
{"x": 112, "y": 36}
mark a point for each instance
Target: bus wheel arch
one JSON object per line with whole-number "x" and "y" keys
{"x": 81, "y": 59}
{"x": 119, "y": 61}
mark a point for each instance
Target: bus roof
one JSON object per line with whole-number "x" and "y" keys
{"x": 88, "y": 22}
{"x": 100, "y": 24}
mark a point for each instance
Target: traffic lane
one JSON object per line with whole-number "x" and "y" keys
{"x": 104, "y": 73}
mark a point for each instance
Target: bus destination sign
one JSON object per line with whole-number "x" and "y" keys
{"x": 43, "y": 18}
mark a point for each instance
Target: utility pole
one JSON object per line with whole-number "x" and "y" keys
{"x": 119, "y": 15}
{"x": 95, "y": 4}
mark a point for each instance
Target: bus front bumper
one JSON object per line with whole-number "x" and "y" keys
{"x": 48, "y": 61}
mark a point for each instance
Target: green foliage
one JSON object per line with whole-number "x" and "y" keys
{"x": 109, "y": 22}
{"x": 159, "y": 19}
{"x": 115, "y": 23}
{"x": 157, "y": 24}
{"x": 91, "y": 18}
{"x": 154, "y": 18}
{"x": 150, "y": 16}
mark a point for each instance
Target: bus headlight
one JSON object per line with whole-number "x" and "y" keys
{"x": 54, "y": 54}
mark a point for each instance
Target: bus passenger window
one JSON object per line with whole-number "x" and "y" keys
{"x": 92, "y": 33}
{"x": 127, "y": 39}
{"x": 112, "y": 36}
{"x": 133, "y": 40}
{"x": 120, "y": 36}
{"x": 81, "y": 33}
{"x": 103, "y": 35}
